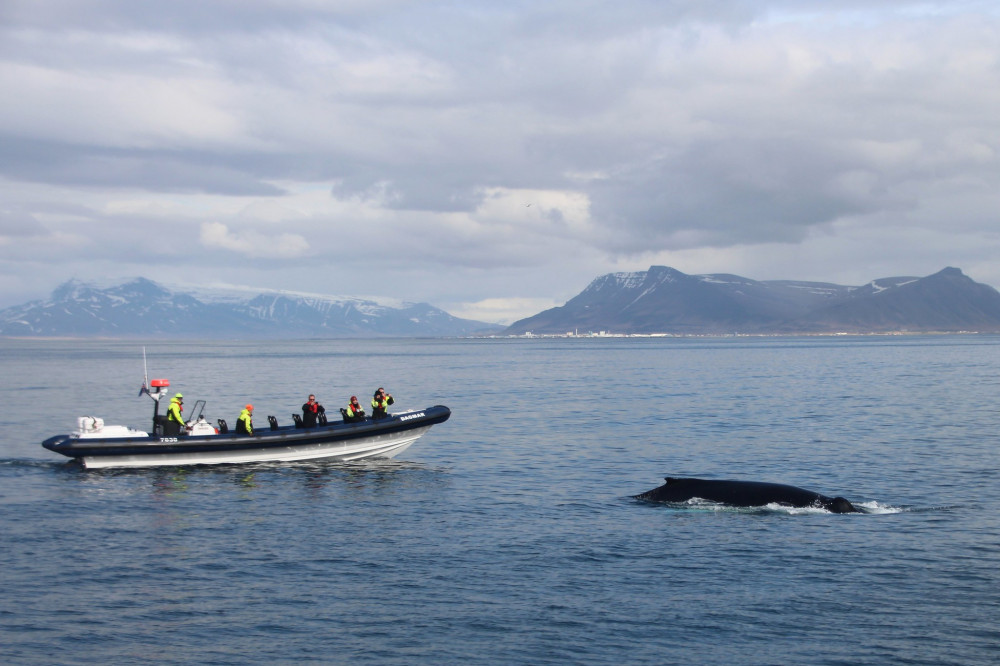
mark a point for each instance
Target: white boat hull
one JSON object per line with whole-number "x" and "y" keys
{"x": 377, "y": 446}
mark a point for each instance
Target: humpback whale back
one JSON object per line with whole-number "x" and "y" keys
{"x": 743, "y": 493}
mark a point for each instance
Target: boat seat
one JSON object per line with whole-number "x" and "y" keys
{"x": 273, "y": 421}
{"x": 321, "y": 419}
{"x": 298, "y": 420}
{"x": 223, "y": 428}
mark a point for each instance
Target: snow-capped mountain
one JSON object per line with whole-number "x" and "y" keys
{"x": 143, "y": 308}
{"x": 664, "y": 300}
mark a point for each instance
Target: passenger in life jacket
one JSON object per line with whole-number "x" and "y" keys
{"x": 175, "y": 421}
{"x": 244, "y": 424}
{"x": 353, "y": 411}
{"x": 380, "y": 401}
{"x": 311, "y": 411}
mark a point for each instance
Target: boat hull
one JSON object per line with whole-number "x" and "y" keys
{"x": 384, "y": 438}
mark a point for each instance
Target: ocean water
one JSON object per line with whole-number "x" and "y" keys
{"x": 508, "y": 534}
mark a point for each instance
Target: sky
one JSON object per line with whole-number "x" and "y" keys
{"x": 492, "y": 158}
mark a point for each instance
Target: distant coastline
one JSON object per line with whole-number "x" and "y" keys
{"x": 605, "y": 334}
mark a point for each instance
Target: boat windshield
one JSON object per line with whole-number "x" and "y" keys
{"x": 199, "y": 407}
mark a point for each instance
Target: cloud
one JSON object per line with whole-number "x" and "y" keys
{"x": 719, "y": 135}
{"x": 252, "y": 243}
{"x": 500, "y": 310}
{"x": 18, "y": 223}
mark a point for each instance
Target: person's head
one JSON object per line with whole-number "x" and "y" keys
{"x": 179, "y": 398}
{"x": 380, "y": 391}
{"x": 354, "y": 398}
{"x": 312, "y": 398}
{"x": 249, "y": 408}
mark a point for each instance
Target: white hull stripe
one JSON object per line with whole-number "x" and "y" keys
{"x": 377, "y": 446}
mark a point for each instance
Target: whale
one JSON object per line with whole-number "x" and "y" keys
{"x": 743, "y": 493}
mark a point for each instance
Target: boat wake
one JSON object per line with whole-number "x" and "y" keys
{"x": 696, "y": 504}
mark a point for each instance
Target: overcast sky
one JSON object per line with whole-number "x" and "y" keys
{"x": 493, "y": 157}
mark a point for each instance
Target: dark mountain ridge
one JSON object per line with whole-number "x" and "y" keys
{"x": 665, "y": 301}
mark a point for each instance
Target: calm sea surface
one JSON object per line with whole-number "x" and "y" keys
{"x": 507, "y": 534}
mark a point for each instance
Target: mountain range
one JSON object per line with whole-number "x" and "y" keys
{"x": 143, "y": 308}
{"x": 660, "y": 300}
{"x": 663, "y": 300}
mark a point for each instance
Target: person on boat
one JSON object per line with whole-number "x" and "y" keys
{"x": 353, "y": 411}
{"x": 311, "y": 412}
{"x": 380, "y": 402}
{"x": 175, "y": 421}
{"x": 244, "y": 424}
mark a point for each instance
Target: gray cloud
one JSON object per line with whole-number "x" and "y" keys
{"x": 19, "y": 223}
{"x": 553, "y": 141}
{"x": 154, "y": 170}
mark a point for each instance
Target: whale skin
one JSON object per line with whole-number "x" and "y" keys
{"x": 743, "y": 493}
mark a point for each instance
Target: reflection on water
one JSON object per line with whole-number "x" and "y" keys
{"x": 356, "y": 476}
